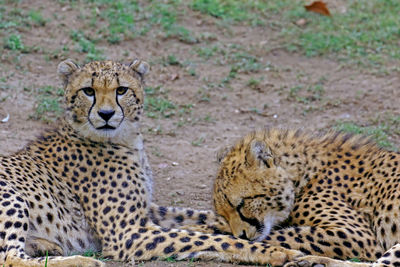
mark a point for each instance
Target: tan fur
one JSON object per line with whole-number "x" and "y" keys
{"x": 86, "y": 185}
{"x": 337, "y": 193}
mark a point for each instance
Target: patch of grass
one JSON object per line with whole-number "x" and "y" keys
{"x": 120, "y": 16}
{"x": 317, "y": 91}
{"x": 198, "y": 142}
{"x": 14, "y": 42}
{"x": 165, "y": 14}
{"x": 86, "y": 46}
{"x": 245, "y": 62}
{"x": 191, "y": 71}
{"x": 57, "y": 53}
{"x": 157, "y": 105}
{"x": 170, "y": 60}
{"x": 170, "y": 259}
{"x": 94, "y": 254}
{"x": 16, "y": 18}
{"x": 255, "y": 12}
{"x": 366, "y": 33}
{"x": 126, "y": 18}
{"x": 48, "y": 104}
{"x": 203, "y": 95}
{"x": 306, "y": 94}
{"x": 185, "y": 109}
{"x": 227, "y": 10}
{"x": 37, "y": 18}
{"x": 208, "y": 118}
{"x": 381, "y": 132}
{"x": 206, "y": 52}
{"x": 240, "y": 61}
{"x": 253, "y": 82}
{"x": 10, "y": 18}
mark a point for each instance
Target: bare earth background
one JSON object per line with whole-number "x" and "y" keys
{"x": 202, "y": 94}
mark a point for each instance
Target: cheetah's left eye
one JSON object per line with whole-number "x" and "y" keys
{"x": 121, "y": 90}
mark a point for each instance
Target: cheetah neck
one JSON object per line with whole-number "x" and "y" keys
{"x": 129, "y": 137}
{"x": 333, "y": 161}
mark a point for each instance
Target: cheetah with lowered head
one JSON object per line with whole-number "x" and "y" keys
{"x": 86, "y": 185}
{"x": 337, "y": 195}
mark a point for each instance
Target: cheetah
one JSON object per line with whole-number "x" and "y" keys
{"x": 86, "y": 185}
{"x": 332, "y": 196}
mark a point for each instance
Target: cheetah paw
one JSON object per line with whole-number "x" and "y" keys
{"x": 293, "y": 254}
{"x": 318, "y": 261}
{"x": 302, "y": 263}
{"x": 279, "y": 257}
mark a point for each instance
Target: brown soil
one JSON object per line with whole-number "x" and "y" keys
{"x": 182, "y": 148}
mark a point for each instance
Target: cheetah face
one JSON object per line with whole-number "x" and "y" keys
{"x": 252, "y": 192}
{"x": 103, "y": 98}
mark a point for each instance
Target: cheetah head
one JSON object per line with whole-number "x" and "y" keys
{"x": 104, "y": 99}
{"x": 251, "y": 191}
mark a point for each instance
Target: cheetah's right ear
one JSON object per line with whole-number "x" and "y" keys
{"x": 141, "y": 67}
{"x": 260, "y": 153}
{"x": 66, "y": 68}
{"x": 222, "y": 152}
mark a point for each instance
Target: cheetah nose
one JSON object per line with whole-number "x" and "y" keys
{"x": 106, "y": 114}
{"x": 243, "y": 235}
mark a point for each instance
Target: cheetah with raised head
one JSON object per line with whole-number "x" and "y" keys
{"x": 87, "y": 185}
{"x": 337, "y": 195}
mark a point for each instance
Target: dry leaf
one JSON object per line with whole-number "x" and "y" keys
{"x": 174, "y": 76}
{"x": 318, "y": 7}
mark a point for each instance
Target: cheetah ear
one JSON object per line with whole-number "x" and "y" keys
{"x": 261, "y": 154}
{"x": 141, "y": 67}
{"x": 66, "y": 68}
{"x": 222, "y": 152}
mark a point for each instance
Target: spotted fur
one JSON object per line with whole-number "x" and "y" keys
{"x": 86, "y": 185}
{"x": 334, "y": 195}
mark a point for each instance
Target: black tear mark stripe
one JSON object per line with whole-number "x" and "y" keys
{"x": 91, "y": 107}
{"x": 252, "y": 221}
{"x": 227, "y": 199}
{"x": 119, "y": 105}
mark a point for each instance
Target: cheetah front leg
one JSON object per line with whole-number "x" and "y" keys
{"x": 390, "y": 258}
{"x": 36, "y": 246}
{"x": 150, "y": 241}
{"x": 335, "y": 242}
{"x": 205, "y": 221}
{"x": 14, "y": 227}
{"x": 319, "y": 261}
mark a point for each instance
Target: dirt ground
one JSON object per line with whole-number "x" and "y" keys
{"x": 182, "y": 147}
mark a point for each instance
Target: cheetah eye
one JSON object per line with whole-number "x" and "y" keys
{"x": 121, "y": 90}
{"x": 89, "y": 91}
